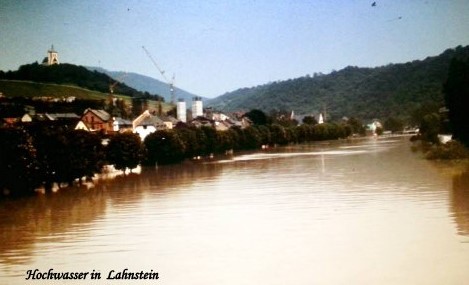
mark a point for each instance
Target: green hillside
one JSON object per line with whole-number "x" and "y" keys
{"x": 19, "y": 92}
{"x": 13, "y": 88}
{"x": 394, "y": 90}
{"x": 74, "y": 75}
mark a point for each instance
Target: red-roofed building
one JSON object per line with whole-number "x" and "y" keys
{"x": 97, "y": 120}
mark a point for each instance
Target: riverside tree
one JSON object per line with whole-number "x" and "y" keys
{"x": 456, "y": 91}
{"x": 65, "y": 155}
{"x": 125, "y": 150}
{"x": 18, "y": 162}
{"x": 164, "y": 147}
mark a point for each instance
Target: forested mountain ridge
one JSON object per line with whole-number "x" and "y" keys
{"x": 69, "y": 74}
{"x": 394, "y": 90}
{"x": 145, "y": 83}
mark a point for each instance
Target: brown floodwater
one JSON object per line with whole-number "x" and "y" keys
{"x": 352, "y": 212}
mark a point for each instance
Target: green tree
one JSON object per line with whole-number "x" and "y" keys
{"x": 393, "y": 124}
{"x": 237, "y": 135}
{"x": 253, "y": 138}
{"x": 164, "y": 147}
{"x": 379, "y": 131}
{"x": 85, "y": 154}
{"x": 279, "y": 135}
{"x": 52, "y": 154}
{"x": 139, "y": 105}
{"x": 310, "y": 120}
{"x": 210, "y": 139}
{"x": 18, "y": 162}
{"x": 357, "y": 126}
{"x": 189, "y": 139}
{"x": 257, "y": 117}
{"x": 456, "y": 90}
{"x": 265, "y": 134}
{"x": 125, "y": 150}
{"x": 320, "y": 132}
{"x": 429, "y": 127}
{"x": 224, "y": 141}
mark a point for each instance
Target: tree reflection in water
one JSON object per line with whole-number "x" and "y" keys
{"x": 460, "y": 202}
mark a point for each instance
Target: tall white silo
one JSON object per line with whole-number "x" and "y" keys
{"x": 181, "y": 110}
{"x": 197, "y": 107}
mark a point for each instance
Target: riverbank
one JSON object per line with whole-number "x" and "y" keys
{"x": 451, "y": 150}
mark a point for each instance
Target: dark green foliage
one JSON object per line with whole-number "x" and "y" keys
{"x": 394, "y": 90}
{"x": 356, "y": 126}
{"x": 257, "y": 117}
{"x": 264, "y": 134}
{"x": 85, "y": 154}
{"x": 51, "y": 145}
{"x": 171, "y": 146}
{"x": 419, "y": 113}
{"x": 448, "y": 151}
{"x": 253, "y": 138}
{"x": 18, "y": 162}
{"x": 125, "y": 150}
{"x": 164, "y": 147}
{"x": 139, "y": 105}
{"x": 393, "y": 124}
{"x": 457, "y": 98}
{"x": 225, "y": 142}
{"x": 279, "y": 135}
{"x": 239, "y": 139}
{"x": 66, "y": 155}
{"x": 210, "y": 142}
{"x": 310, "y": 120}
{"x": 430, "y": 127}
{"x": 189, "y": 139}
{"x": 379, "y": 131}
{"x": 42, "y": 155}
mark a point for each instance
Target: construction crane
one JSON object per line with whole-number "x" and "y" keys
{"x": 162, "y": 72}
{"x": 119, "y": 80}
{"x": 112, "y": 85}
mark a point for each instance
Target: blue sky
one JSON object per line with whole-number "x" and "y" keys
{"x": 216, "y": 46}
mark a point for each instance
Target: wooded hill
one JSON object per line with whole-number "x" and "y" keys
{"x": 69, "y": 74}
{"x": 394, "y": 90}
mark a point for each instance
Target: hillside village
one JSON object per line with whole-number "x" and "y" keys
{"x": 149, "y": 120}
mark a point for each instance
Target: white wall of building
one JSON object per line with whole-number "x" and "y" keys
{"x": 144, "y": 131}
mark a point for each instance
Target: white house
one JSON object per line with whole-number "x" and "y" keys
{"x": 146, "y": 124}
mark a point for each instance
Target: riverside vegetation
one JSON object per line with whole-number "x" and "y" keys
{"x": 454, "y": 120}
{"x": 36, "y": 156}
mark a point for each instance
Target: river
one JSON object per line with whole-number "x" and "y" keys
{"x": 351, "y": 212}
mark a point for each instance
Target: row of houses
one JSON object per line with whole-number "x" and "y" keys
{"x": 94, "y": 120}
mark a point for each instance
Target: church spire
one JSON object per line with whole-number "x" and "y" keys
{"x": 52, "y": 57}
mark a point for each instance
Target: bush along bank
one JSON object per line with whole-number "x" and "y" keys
{"x": 452, "y": 150}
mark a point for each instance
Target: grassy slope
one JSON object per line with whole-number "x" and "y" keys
{"x": 32, "y": 89}
{"x": 11, "y": 88}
